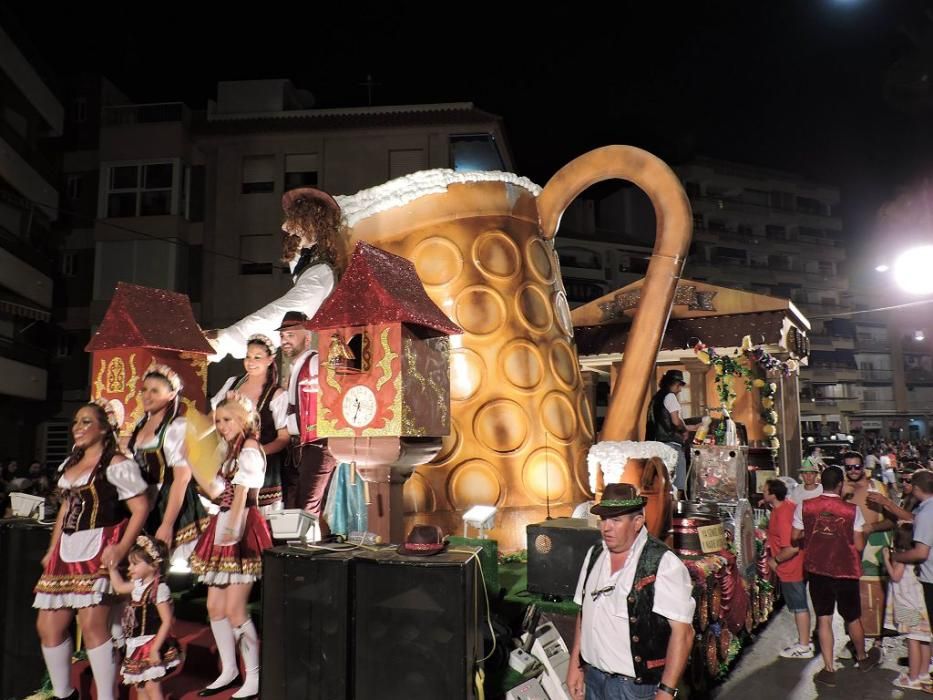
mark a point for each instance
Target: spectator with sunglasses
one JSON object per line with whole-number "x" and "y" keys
{"x": 634, "y": 632}
{"x": 877, "y": 532}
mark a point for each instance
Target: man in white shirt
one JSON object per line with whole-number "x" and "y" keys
{"x": 810, "y": 488}
{"x": 666, "y": 424}
{"x": 635, "y": 628}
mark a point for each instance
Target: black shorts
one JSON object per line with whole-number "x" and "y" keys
{"x": 829, "y": 593}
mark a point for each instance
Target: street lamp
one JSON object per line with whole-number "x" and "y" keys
{"x": 912, "y": 270}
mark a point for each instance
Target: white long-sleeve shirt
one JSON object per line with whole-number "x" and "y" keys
{"x": 311, "y": 289}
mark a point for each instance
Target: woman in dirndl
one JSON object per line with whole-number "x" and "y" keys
{"x": 228, "y": 557}
{"x": 260, "y": 384}
{"x": 178, "y": 516}
{"x": 103, "y": 510}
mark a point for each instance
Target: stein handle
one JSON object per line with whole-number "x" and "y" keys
{"x": 672, "y": 242}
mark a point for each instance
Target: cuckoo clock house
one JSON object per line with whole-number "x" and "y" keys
{"x": 385, "y": 353}
{"x": 144, "y": 326}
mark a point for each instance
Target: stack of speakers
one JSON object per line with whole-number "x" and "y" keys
{"x": 23, "y": 543}
{"x": 369, "y": 625}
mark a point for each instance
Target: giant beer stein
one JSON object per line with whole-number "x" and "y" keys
{"x": 521, "y": 425}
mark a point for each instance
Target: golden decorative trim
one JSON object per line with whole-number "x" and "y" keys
{"x": 331, "y": 379}
{"x": 99, "y": 380}
{"x": 191, "y": 531}
{"x": 93, "y": 489}
{"x": 328, "y": 428}
{"x": 137, "y": 413}
{"x": 385, "y": 364}
{"x": 225, "y": 565}
{"x": 426, "y": 382}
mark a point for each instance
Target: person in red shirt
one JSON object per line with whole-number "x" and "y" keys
{"x": 832, "y": 542}
{"x": 786, "y": 561}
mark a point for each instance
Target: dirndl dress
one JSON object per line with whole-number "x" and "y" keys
{"x": 96, "y": 518}
{"x": 221, "y": 558}
{"x": 141, "y": 624}
{"x": 273, "y": 417}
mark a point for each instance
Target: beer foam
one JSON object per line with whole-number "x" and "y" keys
{"x": 402, "y": 190}
{"x": 611, "y": 456}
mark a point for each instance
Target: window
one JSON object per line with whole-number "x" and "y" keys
{"x": 151, "y": 263}
{"x": 697, "y": 221}
{"x": 404, "y": 162}
{"x": 692, "y": 189}
{"x": 826, "y": 267}
{"x": 146, "y": 189}
{"x": 258, "y": 174}
{"x": 808, "y": 205}
{"x": 776, "y": 232}
{"x": 475, "y": 152}
{"x": 69, "y": 263}
{"x": 301, "y": 170}
{"x": 73, "y": 187}
{"x": 256, "y": 252}
{"x": 79, "y": 110}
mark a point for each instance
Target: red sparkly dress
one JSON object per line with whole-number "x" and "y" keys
{"x": 220, "y": 558}
{"x": 141, "y": 625}
{"x": 96, "y": 517}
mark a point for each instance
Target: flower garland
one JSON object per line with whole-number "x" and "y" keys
{"x": 730, "y": 367}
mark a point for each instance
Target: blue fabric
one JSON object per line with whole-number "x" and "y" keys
{"x": 795, "y": 596}
{"x": 345, "y": 509}
{"x": 603, "y": 686}
{"x": 923, "y": 533}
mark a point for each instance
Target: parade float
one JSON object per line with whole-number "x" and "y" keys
{"x": 515, "y": 429}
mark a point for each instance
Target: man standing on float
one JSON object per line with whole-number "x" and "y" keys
{"x": 314, "y": 245}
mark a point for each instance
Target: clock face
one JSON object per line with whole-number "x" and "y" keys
{"x": 359, "y": 406}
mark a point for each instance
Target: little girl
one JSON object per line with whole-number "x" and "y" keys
{"x": 906, "y": 612}
{"x": 150, "y": 650}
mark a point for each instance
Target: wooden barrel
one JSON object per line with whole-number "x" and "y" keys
{"x": 696, "y": 534}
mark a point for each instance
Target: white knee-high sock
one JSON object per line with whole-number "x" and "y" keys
{"x": 58, "y": 663}
{"x": 226, "y": 649}
{"x": 248, "y": 641}
{"x": 104, "y": 668}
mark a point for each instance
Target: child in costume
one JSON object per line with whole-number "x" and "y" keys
{"x": 151, "y": 651}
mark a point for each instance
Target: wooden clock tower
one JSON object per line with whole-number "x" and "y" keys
{"x": 384, "y": 378}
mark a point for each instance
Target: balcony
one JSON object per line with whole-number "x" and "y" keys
{"x": 845, "y": 404}
{"x": 879, "y": 405}
{"x": 918, "y": 376}
{"x": 822, "y": 373}
{"x": 876, "y": 375}
{"x": 876, "y": 344}
{"x": 921, "y": 405}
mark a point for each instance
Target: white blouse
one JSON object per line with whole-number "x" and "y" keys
{"x": 312, "y": 288}
{"x": 173, "y": 446}
{"x": 251, "y": 470}
{"x": 278, "y": 405}
{"x": 84, "y": 545}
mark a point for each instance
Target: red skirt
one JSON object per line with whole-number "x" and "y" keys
{"x": 241, "y": 562}
{"x": 77, "y": 584}
{"x": 138, "y": 669}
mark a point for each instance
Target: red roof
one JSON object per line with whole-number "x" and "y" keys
{"x": 142, "y": 317}
{"x": 379, "y": 287}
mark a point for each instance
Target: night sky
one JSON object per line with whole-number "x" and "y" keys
{"x": 802, "y": 85}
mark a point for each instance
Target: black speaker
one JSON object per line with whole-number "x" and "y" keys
{"x": 23, "y": 543}
{"x": 556, "y": 550}
{"x": 416, "y": 626}
{"x": 306, "y": 620}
